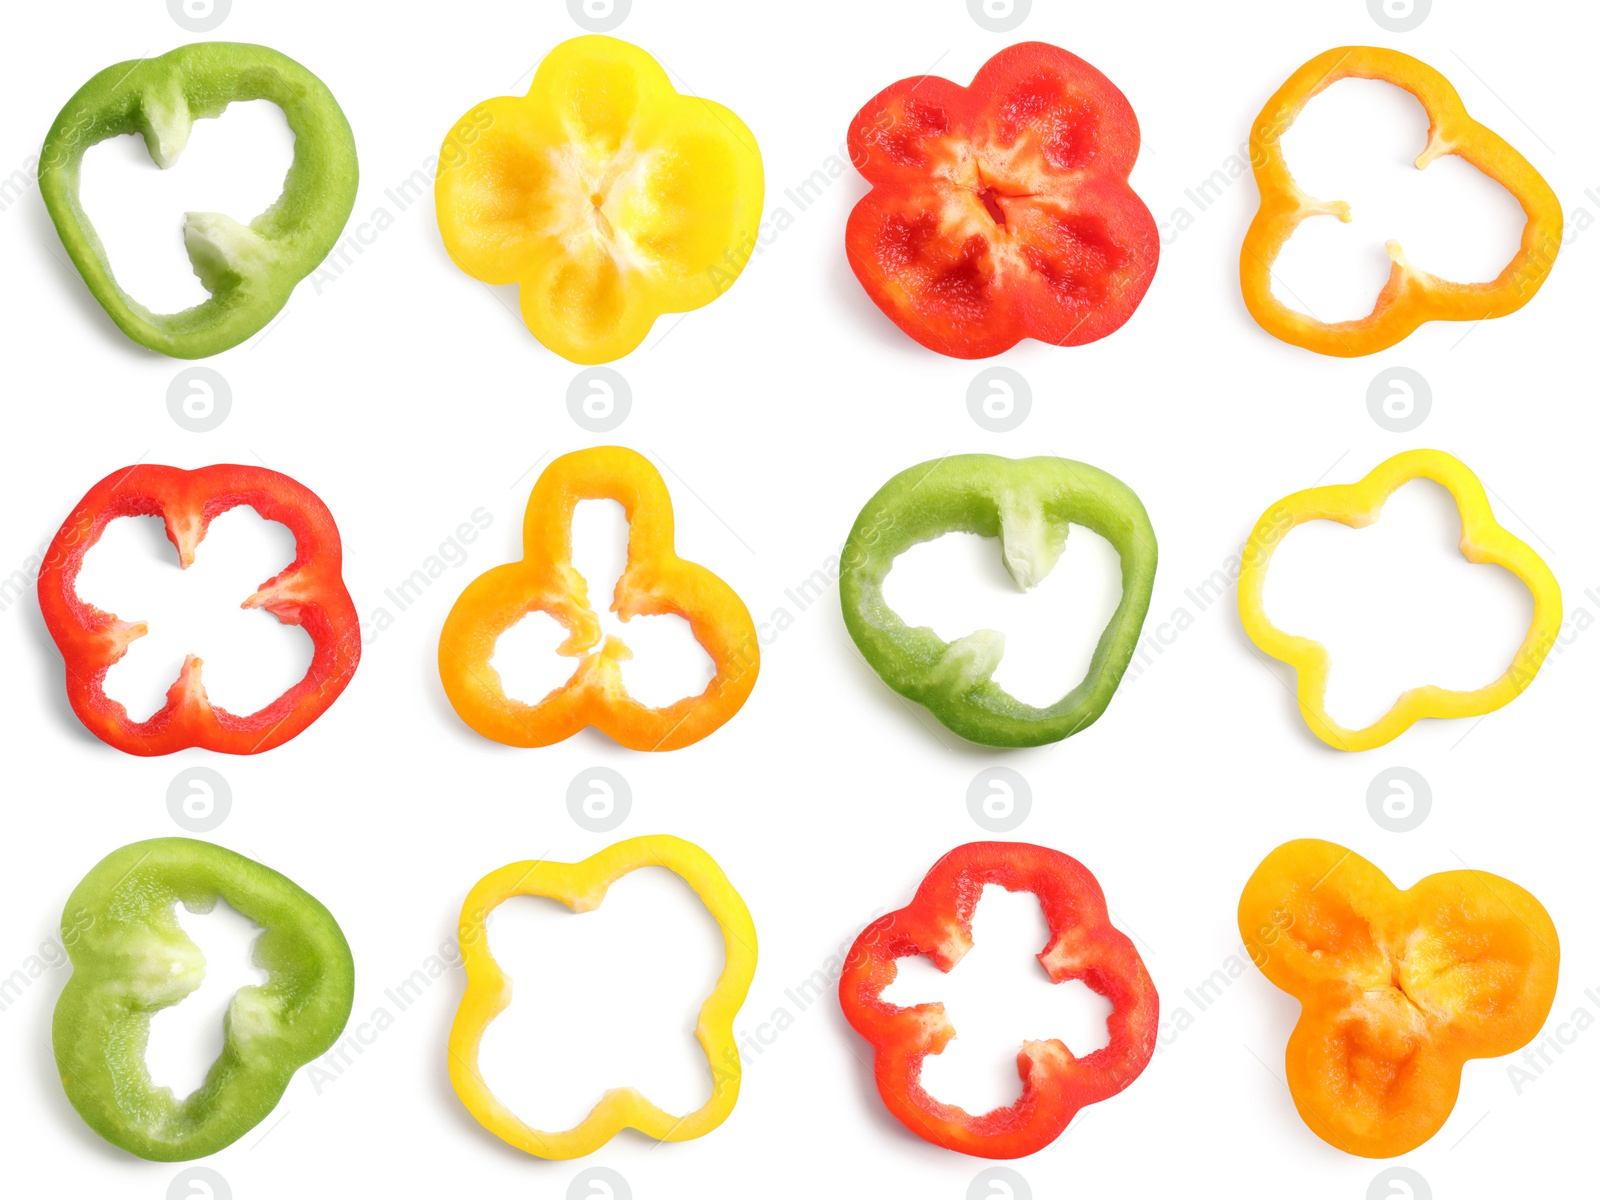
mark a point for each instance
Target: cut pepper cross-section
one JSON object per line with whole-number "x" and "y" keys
{"x": 131, "y": 959}
{"x": 1002, "y": 211}
{"x": 937, "y": 924}
{"x": 1397, "y": 989}
{"x": 1483, "y": 540}
{"x": 1029, "y": 504}
{"x": 654, "y": 581}
{"x": 309, "y": 592}
{"x": 1411, "y": 296}
{"x": 608, "y": 196}
{"x": 581, "y": 887}
{"x": 250, "y": 270}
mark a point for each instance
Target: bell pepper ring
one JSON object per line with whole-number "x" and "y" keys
{"x": 937, "y": 925}
{"x": 131, "y": 959}
{"x": 250, "y": 270}
{"x": 1028, "y": 504}
{"x": 606, "y": 195}
{"x": 581, "y": 887}
{"x": 654, "y": 581}
{"x": 1483, "y": 540}
{"x": 1411, "y": 296}
{"x": 309, "y": 592}
{"x": 1002, "y": 211}
{"x": 1397, "y": 989}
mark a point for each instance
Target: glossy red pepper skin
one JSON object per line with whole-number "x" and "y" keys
{"x": 1002, "y": 211}
{"x": 938, "y": 925}
{"x": 310, "y": 592}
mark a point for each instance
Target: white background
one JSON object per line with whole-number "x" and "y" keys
{"x": 409, "y": 396}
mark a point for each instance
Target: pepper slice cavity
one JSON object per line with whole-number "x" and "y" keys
{"x": 250, "y": 270}
{"x": 581, "y": 887}
{"x": 1410, "y": 297}
{"x": 309, "y": 592}
{"x": 606, "y": 195}
{"x": 1029, "y": 505}
{"x": 1002, "y": 211}
{"x": 1397, "y": 989}
{"x": 131, "y": 958}
{"x": 654, "y": 581}
{"x": 1483, "y": 540}
{"x": 937, "y": 925}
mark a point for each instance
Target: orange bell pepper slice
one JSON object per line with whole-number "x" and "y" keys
{"x": 654, "y": 581}
{"x": 1397, "y": 989}
{"x": 1483, "y": 540}
{"x": 1410, "y": 297}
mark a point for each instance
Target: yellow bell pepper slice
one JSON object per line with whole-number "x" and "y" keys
{"x": 608, "y": 196}
{"x": 581, "y": 887}
{"x": 1483, "y": 540}
{"x": 1410, "y": 297}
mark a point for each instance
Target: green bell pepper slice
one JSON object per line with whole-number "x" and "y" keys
{"x": 131, "y": 958}
{"x": 250, "y": 270}
{"x": 1028, "y": 504}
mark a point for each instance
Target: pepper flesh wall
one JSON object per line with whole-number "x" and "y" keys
{"x": 1411, "y": 296}
{"x": 1028, "y": 504}
{"x": 1002, "y": 210}
{"x": 1083, "y": 945}
{"x": 309, "y": 592}
{"x": 250, "y": 270}
{"x": 1397, "y": 989}
{"x": 608, "y": 197}
{"x": 655, "y": 580}
{"x": 131, "y": 959}
{"x": 582, "y": 887}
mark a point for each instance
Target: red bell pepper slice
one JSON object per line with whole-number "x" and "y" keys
{"x": 938, "y": 924}
{"x": 309, "y": 592}
{"x": 1002, "y": 210}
